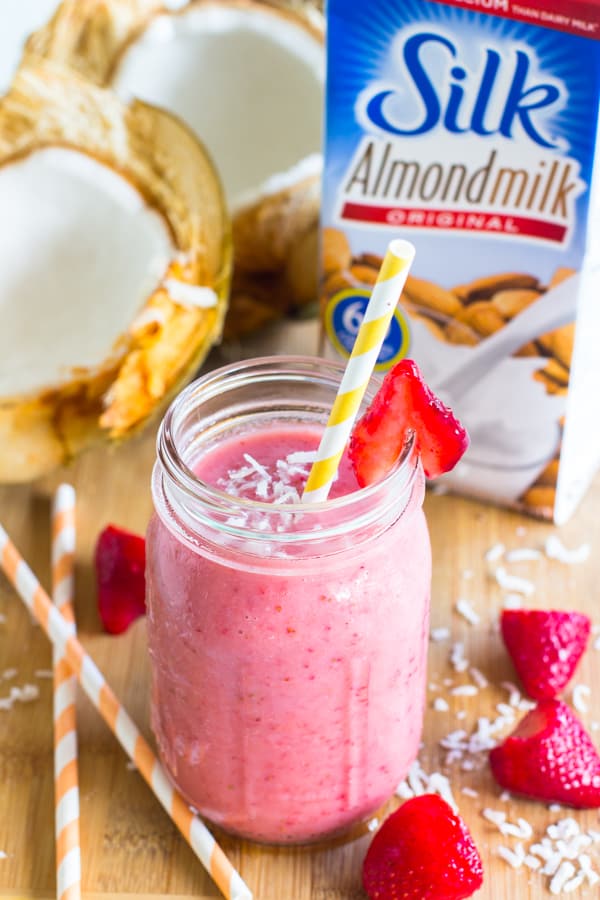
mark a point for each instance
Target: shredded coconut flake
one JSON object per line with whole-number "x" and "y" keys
{"x": 555, "y": 549}
{"x": 465, "y": 690}
{"x": 564, "y": 874}
{"x": 514, "y": 583}
{"x": 302, "y": 457}
{"x": 418, "y": 782}
{"x": 191, "y": 295}
{"x": 514, "y": 694}
{"x": 523, "y": 554}
{"x": 478, "y": 677}
{"x": 495, "y": 552}
{"x": 464, "y": 609}
{"x": 457, "y": 657}
{"x": 521, "y": 830}
{"x": 43, "y": 673}
{"x": 496, "y": 816}
{"x": 440, "y": 634}
{"x": 440, "y": 705}
{"x": 512, "y": 601}
{"x": 24, "y": 694}
{"x": 580, "y": 692}
{"x": 469, "y": 792}
{"x": 514, "y": 858}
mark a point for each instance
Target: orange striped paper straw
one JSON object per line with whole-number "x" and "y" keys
{"x": 118, "y": 720}
{"x": 66, "y": 781}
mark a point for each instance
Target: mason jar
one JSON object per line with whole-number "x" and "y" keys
{"x": 287, "y": 640}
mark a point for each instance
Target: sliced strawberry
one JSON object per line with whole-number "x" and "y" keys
{"x": 405, "y": 403}
{"x": 422, "y": 851}
{"x": 545, "y": 647}
{"x": 120, "y": 562}
{"x": 549, "y": 756}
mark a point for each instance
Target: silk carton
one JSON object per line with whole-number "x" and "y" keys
{"x": 470, "y": 127}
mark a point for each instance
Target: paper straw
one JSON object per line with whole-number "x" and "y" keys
{"x": 118, "y": 720}
{"x": 66, "y": 780}
{"x": 369, "y": 340}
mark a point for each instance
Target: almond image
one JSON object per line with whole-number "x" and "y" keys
{"x": 549, "y": 476}
{"x": 529, "y": 349}
{"x": 482, "y": 317}
{"x": 459, "y": 333}
{"x": 370, "y": 259}
{"x": 512, "y": 301}
{"x": 560, "y": 343}
{"x": 561, "y": 274}
{"x": 484, "y": 288}
{"x": 432, "y": 296}
{"x": 433, "y": 326}
{"x": 363, "y": 274}
{"x": 557, "y": 372}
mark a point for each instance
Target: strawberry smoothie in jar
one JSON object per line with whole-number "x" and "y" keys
{"x": 287, "y": 640}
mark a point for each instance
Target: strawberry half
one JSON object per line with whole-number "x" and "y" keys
{"x": 423, "y": 851}
{"x": 405, "y": 403}
{"x": 120, "y": 561}
{"x": 545, "y": 647}
{"x": 549, "y": 756}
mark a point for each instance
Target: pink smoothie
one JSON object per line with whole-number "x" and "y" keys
{"x": 287, "y": 695}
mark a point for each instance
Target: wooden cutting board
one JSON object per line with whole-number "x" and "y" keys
{"x": 129, "y": 846}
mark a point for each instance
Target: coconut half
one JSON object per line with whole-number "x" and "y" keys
{"x": 248, "y": 77}
{"x": 115, "y": 261}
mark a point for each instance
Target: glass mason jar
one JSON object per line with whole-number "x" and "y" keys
{"x": 287, "y": 642}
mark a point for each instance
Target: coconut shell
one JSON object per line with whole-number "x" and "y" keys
{"x": 265, "y": 233}
{"x": 91, "y": 36}
{"x": 48, "y": 106}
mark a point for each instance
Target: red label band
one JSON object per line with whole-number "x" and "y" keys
{"x": 580, "y": 17}
{"x": 455, "y": 220}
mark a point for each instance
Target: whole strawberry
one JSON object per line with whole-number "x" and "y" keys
{"x": 120, "y": 574}
{"x": 549, "y": 756}
{"x": 545, "y": 647}
{"x": 422, "y": 851}
{"x": 402, "y": 404}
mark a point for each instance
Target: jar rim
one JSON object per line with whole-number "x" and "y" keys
{"x": 278, "y": 368}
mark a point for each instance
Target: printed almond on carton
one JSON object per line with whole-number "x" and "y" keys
{"x": 469, "y": 128}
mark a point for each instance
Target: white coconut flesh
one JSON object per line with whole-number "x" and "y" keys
{"x": 247, "y": 80}
{"x": 80, "y": 252}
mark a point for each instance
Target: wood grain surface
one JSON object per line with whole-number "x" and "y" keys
{"x": 129, "y": 846}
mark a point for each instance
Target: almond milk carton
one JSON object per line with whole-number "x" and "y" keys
{"x": 470, "y": 128}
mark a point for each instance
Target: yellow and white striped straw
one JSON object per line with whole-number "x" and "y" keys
{"x": 66, "y": 780}
{"x": 118, "y": 720}
{"x": 369, "y": 340}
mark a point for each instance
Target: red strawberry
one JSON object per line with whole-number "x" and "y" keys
{"x": 545, "y": 646}
{"x": 120, "y": 563}
{"x": 404, "y": 403}
{"x": 422, "y": 851}
{"x": 550, "y": 756}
